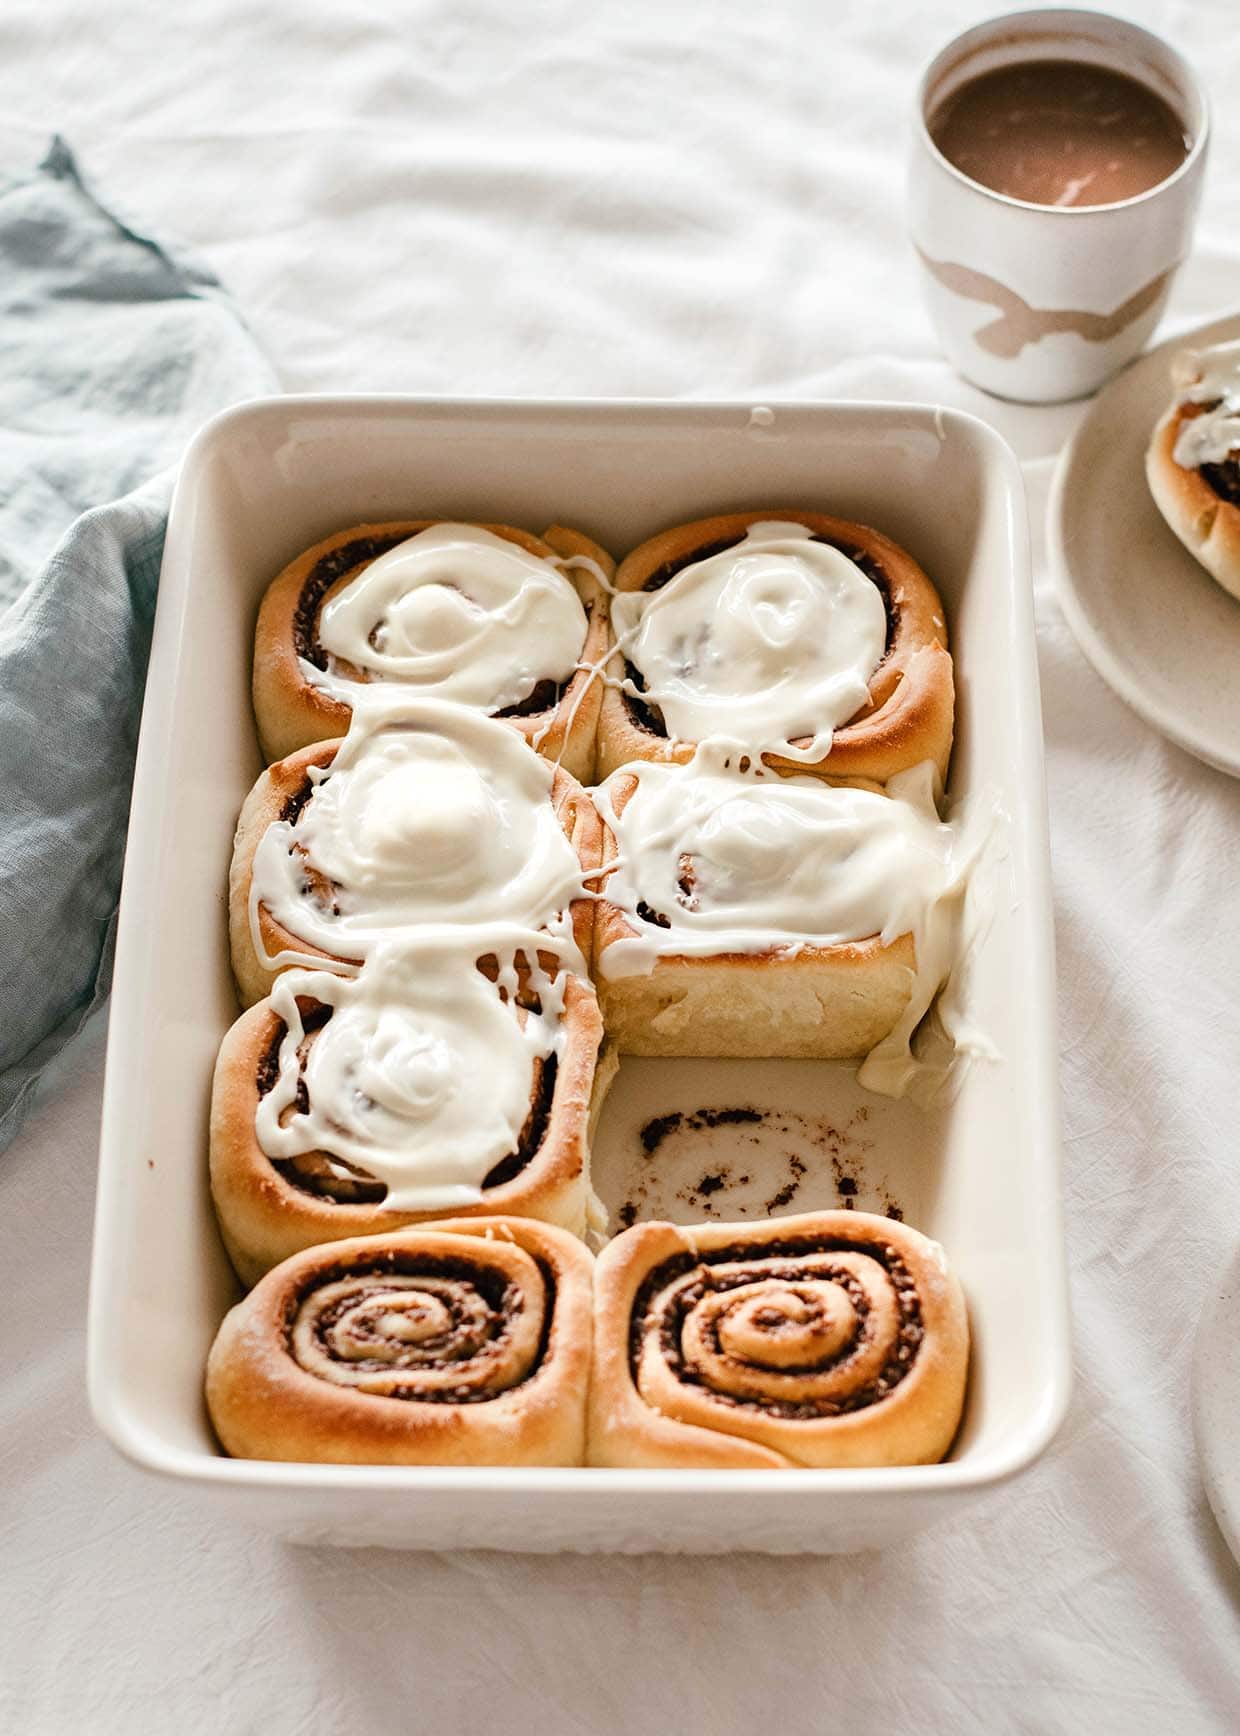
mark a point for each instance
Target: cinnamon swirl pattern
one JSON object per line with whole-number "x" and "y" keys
{"x": 1193, "y": 462}
{"x": 425, "y": 813}
{"x": 346, "y": 1106}
{"x": 485, "y": 615}
{"x": 816, "y": 642}
{"x": 830, "y": 1339}
{"x": 463, "y": 1344}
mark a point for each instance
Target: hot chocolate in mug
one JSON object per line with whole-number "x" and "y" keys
{"x": 1055, "y": 175}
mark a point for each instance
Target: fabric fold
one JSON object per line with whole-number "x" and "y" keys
{"x": 113, "y": 349}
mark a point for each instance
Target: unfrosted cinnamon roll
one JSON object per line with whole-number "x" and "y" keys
{"x": 817, "y": 642}
{"x": 486, "y": 615}
{"x": 425, "y": 813}
{"x": 349, "y": 1106}
{"x": 831, "y": 1339}
{"x": 467, "y": 1343}
{"x": 1193, "y": 461}
{"x": 747, "y": 913}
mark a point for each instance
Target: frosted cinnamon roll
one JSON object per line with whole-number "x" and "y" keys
{"x": 1193, "y": 461}
{"x": 817, "y": 642}
{"x": 747, "y": 913}
{"x": 350, "y": 1106}
{"x": 425, "y": 813}
{"x": 485, "y": 615}
{"x": 830, "y": 1339}
{"x": 467, "y": 1343}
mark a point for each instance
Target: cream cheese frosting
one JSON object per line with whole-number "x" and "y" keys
{"x": 431, "y": 838}
{"x": 1210, "y": 377}
{"x": 765, "y": 643}
{"x": 454, "y": 612}
{"x": 429, "y": 813}
{"x": 735, "y": 859}
{"x": 422, "y": 1077}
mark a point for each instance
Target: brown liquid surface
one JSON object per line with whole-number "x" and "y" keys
{"x": 1060, "y": 132}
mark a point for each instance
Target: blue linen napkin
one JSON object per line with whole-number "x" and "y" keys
{"x": 113, "y": 349}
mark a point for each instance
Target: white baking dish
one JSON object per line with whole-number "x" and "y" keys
{"x": 263, "y": 481}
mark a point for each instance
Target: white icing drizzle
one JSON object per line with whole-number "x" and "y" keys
{"x": 585, "y": 564}
{"x": 747, "y": 861}
{"x": 1208, "y": 377}
{"x": 433, "y": 840}
{"x": 393, "y": 1078}
{"x": 592, "y": 671}
{"x": 455, "y": 612}
{"x": 429, "y": 813}
{"x": 767, "y": 642}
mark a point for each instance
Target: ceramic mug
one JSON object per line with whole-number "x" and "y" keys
{"x": 1044, "y": 302}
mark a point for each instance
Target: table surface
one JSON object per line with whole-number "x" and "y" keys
{"x": 629, "y": 199}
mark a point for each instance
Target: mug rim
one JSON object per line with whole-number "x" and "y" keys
{"x": 1048, "y": 14}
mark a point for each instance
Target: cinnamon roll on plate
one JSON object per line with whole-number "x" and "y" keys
{"x": 815, "y": 641}
{"x": 418, "y": 1088}
{"x": 426, "y": 812}
{"x": 829, "y": 1339}
{"x": 1193, "y": 461}
{"x": 467, "y": 1343}
{"x": 751, "y": 914}
{"x": 487, "y": 615}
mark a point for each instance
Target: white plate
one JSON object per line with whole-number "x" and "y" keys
{"x": 1151, "y": 620}
{"x": 264, "y": 481}
{"x": 1216, "y": 1401}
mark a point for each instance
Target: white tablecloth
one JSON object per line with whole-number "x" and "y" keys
{"x": 700, "y": 199}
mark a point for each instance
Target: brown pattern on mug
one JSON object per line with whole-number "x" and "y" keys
{"x": 1020, "y": 324}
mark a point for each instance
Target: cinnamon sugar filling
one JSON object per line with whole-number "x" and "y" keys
{"x": 777, "y": 1261}
{"x": 502, "y": 1302}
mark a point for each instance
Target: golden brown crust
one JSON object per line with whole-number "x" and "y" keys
{"x": 263, "y": 807}
{"x": 1207, "y": 525}
{"x": 821, "y": 1002}
{"x": 266, "y": 1404}
{"x": 266, "y": 803}
{"x": 291, "y": 713}
{"x": 265, "y": 1217}
{"x": 909, "y": 718}
{"x": 643, "y": 1413}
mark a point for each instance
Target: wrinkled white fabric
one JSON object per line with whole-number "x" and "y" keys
{"x": 644, "y": 198}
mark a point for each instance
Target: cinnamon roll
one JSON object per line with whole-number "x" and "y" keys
{"x": 463, "y": 1344}
{"x": 353, "y": 1106}
{"x": 817, "y": 642}
{"x": 831, "y": 1339}
{"x": 426, "y": 812}
{"x": 746, "y": 913}
{"x": 1193, "y": 461}
{"x": 486, "y": 615}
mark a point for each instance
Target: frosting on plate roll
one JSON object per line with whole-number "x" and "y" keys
{"x": 485, "y": 615}
{"x": 347, "y": 1106}
{"x": 465, "y": 1343}
{"x": 828, "y": 1339}
{"x": 1193, "y": 460}
{"x": 812, "y": 641}
{"x": 426, "y": 813}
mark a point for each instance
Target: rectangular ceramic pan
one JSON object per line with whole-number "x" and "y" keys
{"x": 265, "y": 480}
